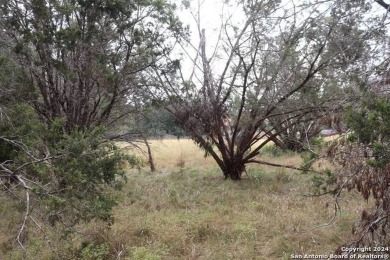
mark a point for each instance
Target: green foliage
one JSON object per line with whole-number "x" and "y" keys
{"x": 309, "y": 158}
{"x": 157, "y": 122}
{"x": 371, "y": 127}
{"x": 18, "y": 133}
{"x": 70, "y": 174}
{"x": 15, "y": 84}
{"x": 95, "y": 252}
{"x": 73, "y": 62}
{"x": 365, "y": 164}
{"x": 323, "y": 183}
{"x": 80, "y": 57}
{"x": 84, "y": 167}
{"x": 143, "y": 253}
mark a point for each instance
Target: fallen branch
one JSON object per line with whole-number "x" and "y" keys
{"x": 27, "y": 213}
{"x": 282, "y": 166}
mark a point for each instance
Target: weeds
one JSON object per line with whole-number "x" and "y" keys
{"x": 198, "y": 215}
{"x": 181, "y": 162}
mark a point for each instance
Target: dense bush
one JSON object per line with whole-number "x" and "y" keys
{"x": 68, "y": 177}
{"x": 365, "y": 167}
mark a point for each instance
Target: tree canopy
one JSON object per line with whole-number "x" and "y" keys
{"x": 84, "y": 58}
{"x": 282, "y": 69}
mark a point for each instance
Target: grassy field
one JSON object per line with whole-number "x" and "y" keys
{"x": 186, "y": 210}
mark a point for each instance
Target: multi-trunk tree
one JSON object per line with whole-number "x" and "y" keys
{"x": 266, "y": 76}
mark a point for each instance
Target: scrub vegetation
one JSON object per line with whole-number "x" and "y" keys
{"x": 186, "y": 210}
{"x": 92, "y": 90}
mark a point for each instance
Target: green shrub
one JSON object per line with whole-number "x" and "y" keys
{"x": 95, "y": 252}
{"x": 71, "y": 175}
{"x": 143, "y": 253}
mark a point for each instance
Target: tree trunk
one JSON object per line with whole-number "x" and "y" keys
{"x": 150, "y": 156}
{"x": 289, "y": 143}
{"x": 233, "y": 169}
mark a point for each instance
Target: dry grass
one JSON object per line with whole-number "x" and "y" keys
{"x": 193, "y": 213}
{"x": 186, "y": 210}
{"x": 168, "y": 153}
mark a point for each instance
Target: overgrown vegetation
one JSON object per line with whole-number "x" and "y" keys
{"x": 75, "y": 75}
{"x": 64, "y": 175}
{"x": 194, "y": 213}
{"x": 364, "y": 158}
{"x": 68, "y": 71}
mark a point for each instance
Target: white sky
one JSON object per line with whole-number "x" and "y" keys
{"x": 211, "y": 16}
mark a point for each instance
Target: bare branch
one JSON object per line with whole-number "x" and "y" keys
{"x": 383, "y": 4}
